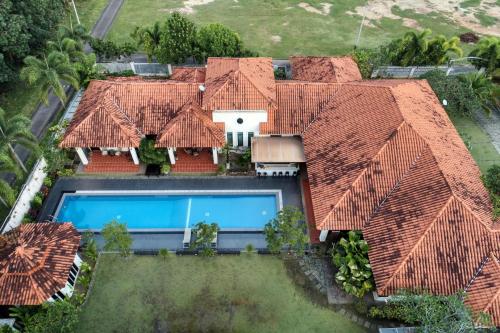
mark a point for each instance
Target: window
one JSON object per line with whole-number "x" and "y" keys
{"x": 230, "y": 138}
{"x": 239, "y": 121}
{"x": 240, "y": 139}
{"x": 250, "y": 136}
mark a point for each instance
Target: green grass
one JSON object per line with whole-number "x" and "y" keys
{"x": 479, "y": 142}
{"x": 247, "y": 293}
{"x": 485, "y": 19}
{"x": 470, "y": 3}
{"x": 89, "y": 11}
{"x": 301, "y": 32}
{"x": 20, "y": 98}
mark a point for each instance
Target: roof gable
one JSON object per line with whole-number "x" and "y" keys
{"x": 239, "y": 84}
{"x": 189, "y": 74}
{"x": 325, "y": 69}
{"x": 191, "y": 128}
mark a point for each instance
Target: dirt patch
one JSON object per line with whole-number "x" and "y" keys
{"x": 325, "y": 8}
{"x": 375, "y": 10}
{"x": 188, "y": 6}
{"x": 276, "y": 39}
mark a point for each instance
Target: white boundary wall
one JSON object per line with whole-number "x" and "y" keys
{"x": 23, "y": 203}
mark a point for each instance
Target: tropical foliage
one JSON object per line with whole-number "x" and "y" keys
{"x": 488, "y": 49}
{"x": 460, "y": 96}
{"x": 149, "y": 154}
{"x": 217, "y": 40}
{"x": 204, "y": 234}
{"x": 117, "y": 238}
{"x": 107, "y": 49}
{"x": 486, "y": 92}
{"x": 148, "y": 38}
{"x": 54, "y": 317}
{"x": 288, "y": 230}
{"x": 492, "y": 182}
{"x": 50, "y": 72}
{"x": 14, "y": 131}
{"x": 432, "y": 313}
{"x": 350, "y": 256}
{"x": 178, "y": 39}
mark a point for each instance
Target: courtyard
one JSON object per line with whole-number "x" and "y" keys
{"x": 246, "y": 293}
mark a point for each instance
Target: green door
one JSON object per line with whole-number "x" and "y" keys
{"x": 240, "y": 139}
{"x": 229, "y": 138}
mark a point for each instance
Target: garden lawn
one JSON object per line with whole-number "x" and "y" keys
{"x": 247, "y": 293}
{"x": 280, "y": 28}
{"x": 477, "y": 140}
{"x": 89, "y": 11}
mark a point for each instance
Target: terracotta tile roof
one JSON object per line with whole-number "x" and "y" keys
{"x": 191, "y": 127}
{"x": 483, "y": 294}
{"x": 298, "y": 105}
{"x": 35, "y": 260}
{"x": 189, "y": 74}
{"x": 118, "y": 113}
{"x": 325, "y": 69}
{"x": 239, "y": 84}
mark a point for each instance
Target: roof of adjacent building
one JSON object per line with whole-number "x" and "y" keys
{"x": 483, "y": 293}
{"x": 35, "y": 260}
{"x": 382, "y": 156}
{"x": 189, "y": 74}
{"x": 325, "y": 69}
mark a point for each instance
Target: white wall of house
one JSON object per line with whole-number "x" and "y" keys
{"x": 251, "y": 121}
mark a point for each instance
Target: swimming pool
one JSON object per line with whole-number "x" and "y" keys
{"x": 169, "y": 211}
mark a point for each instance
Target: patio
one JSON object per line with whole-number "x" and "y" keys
{"x": 200, "y": 162}
{"x": 99, "y": 163}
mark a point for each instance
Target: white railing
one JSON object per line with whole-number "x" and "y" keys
{"x": 23, "y": 202}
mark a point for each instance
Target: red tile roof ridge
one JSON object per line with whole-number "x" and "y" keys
{"x": 489, "y": 227}
{"x": 362, "y": 173}
{"x": 125, "y": 115}
{"x": 309, "y": 83}
{"x": 239, "y": 71}
{"x": 419, "y": 241}
{"x": 481, "y": 267}
{"x": 496, "y": 262}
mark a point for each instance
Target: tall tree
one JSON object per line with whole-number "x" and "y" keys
{"x": 74, "y": 31}
{"x": 488, "y": 49}
{"x": 217, "y": 40}
{"x": 66, "y": 45}
{"x": 50, "y": 72}
{"x": 350, "y": 256}
{"x": 117, "y": 238}
{"x": 16, "y": 130}
{"x": 287, "y": 230}
{"x": 177, "y": 41}
{"x": 486, "y": 92}
{"x": 149, "y": 38}
{"x": 412, "y": 45}
{"x": 439, "y": 51}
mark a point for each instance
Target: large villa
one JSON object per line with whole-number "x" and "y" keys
{"x": 380, "y": 156}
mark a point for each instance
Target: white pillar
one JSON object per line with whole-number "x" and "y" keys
{"x": 82, "y": 156}
{"x": 322, "y": 235}
{"x": 215, "y": 155}
{"x": 133, "y": 153}
{"x": 171, "y": 155}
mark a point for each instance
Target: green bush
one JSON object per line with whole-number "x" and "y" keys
{"x": 58, "y": 316}
{"x": 492, "y": 179}
{"x": 165, "y": 168}
{"x": 459, "y": 96}
{"x": 366, "y": 59}
{"x": 149, "y": 154}
{"x": 164, "y": 254}
{"x": 287, "y": 230}
{"x": 37, "y": 200}
{"x": 360, "y": 306}
{"x": 217, "y": 40}
{"x": 204, "y": 235}
{"x": 117, "y": 238}
{"x": 47, "y": 181}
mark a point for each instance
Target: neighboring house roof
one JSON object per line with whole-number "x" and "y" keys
{"x": 191, "y": 127}
{"x": 239, "y": 84}
{"x": 483, "y": 293}
{"x": 325, "y": 69}
{"x": 35, "y": 260}
{"x": 189, "y": 74}
{"x": 118, "y": 113}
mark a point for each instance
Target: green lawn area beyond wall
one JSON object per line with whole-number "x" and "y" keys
{"x": 280, "y": 28}
{"x": 249, "y": 293}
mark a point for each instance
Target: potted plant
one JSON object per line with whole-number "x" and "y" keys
{"x": 165, "y": 169}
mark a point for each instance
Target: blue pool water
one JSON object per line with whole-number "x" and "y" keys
{"x": 168, "y": 211}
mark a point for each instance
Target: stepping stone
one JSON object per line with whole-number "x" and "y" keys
{"x": 366, "y": 324}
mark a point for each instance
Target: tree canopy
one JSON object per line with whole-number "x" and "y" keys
{"x": 54, "y": 317}
{"x": 217, "y": 40}
{"x": 287, "y": 230}
{"x": 177, "y": 40}
{"x": 117, "y": 238}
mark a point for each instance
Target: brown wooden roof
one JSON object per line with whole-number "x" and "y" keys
{"x": 35, "y": 260}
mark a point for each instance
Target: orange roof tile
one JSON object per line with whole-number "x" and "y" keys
{"x": 239, "y": 84}
{"x": 191, "y": 128}
{"x": 325, "y": 69}
{"x": 483, "y": 293}
{"x": 35, "y": 260}
{"x": 189, "y": 74}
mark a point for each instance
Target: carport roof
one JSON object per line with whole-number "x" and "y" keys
{"x": 277, "y": 149}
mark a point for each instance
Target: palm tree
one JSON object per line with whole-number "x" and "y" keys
{"x": 50, "y": 72}
{"x": 488, "y": 49}
{"x": 74, "y": 31}
{"x": 71, "y": 47}
{"x": 149, "y": 37}
{"x": 15, "y": 130}
{"x": 486, "y": 92}
{"x": 439, "y": 49}
{"x": 413, "y": 44}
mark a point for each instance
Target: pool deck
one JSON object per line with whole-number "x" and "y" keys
{"x": 289, "y": 186}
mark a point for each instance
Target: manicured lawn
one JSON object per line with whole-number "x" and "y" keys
{"x": 481, "y": 148}
{"x": 280, "y": 28}
{"x": 229, "y": 293}
{"x": 90, "y": 11}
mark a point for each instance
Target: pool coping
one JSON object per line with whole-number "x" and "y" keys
{"x": 276, "y": 192}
